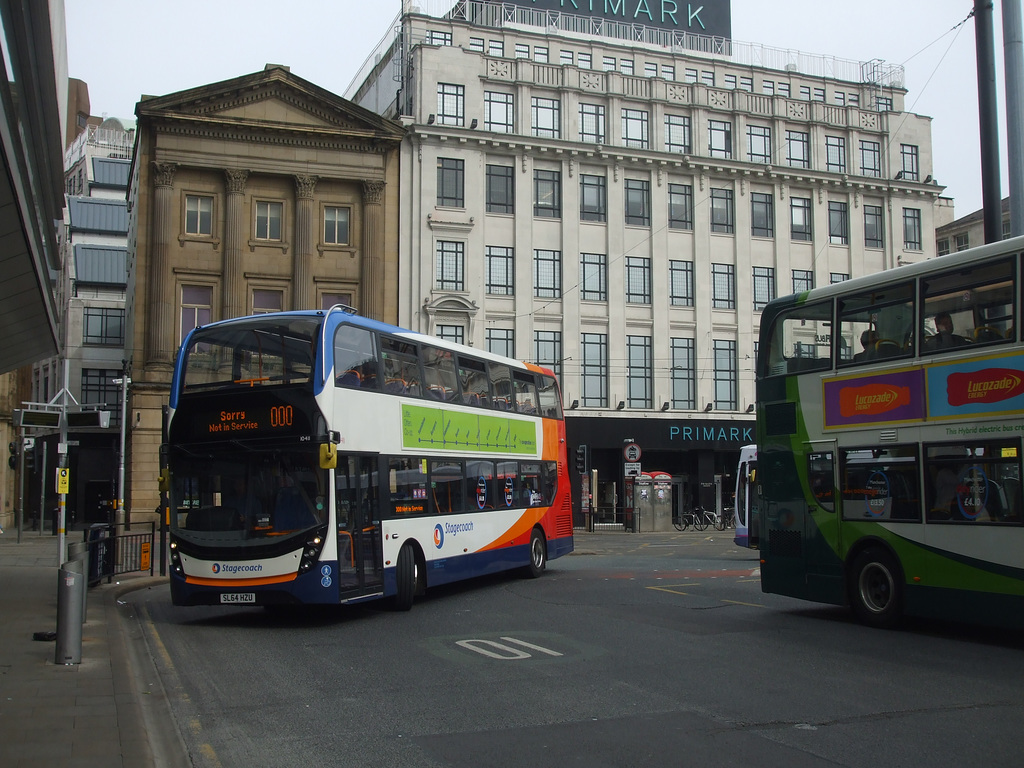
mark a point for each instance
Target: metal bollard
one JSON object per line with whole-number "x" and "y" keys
{"x": 70, "y": 599}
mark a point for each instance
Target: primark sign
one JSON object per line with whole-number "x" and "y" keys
{"x": 711, "y": 17}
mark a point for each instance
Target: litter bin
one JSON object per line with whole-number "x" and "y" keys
{"x": 97, "y": 537}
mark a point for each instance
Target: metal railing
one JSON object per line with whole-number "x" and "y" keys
{"x": 114, "y": 550}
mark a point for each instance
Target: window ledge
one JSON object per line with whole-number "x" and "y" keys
{"x": 280, "y": 244}
{"x": 186, "y": 238}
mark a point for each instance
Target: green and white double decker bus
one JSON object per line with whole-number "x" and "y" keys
{"x": 890, "y": 418}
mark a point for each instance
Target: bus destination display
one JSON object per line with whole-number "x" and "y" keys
{"x": 240, "y": 418}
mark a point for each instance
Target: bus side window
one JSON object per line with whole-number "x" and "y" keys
{"x": 474, "y": 383}
{"x": 355, "y": 358}
{"x": 525, "y": 392}
{"x": 446, "y": 486}
{"x": 501, "y": 385}
{"x": 407, "y": 480}
{"x": 439, "y": 373}
{"x": 972, "y": 305}
{"x": 821, "y": 475}
{"x": 550, "y": 403}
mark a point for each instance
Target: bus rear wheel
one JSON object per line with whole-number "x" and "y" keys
{"x": 876, "y": 589}
{"x": 538, "y": 555}
{"x": 406, "y": 577}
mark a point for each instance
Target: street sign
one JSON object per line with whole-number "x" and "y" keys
{"x": 631, "y": 451}
{"x": 631, "y": 469}
{"x": 63, "y": 480}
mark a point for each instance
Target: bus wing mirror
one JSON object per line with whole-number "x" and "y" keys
{"x": 328, "y": 456}
{"x": 164, "y": 481}
{"x": 753, "y": 475}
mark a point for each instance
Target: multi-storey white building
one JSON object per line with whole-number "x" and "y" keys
{"x": 619, "y": 201}
{"x": 90, "y": 291}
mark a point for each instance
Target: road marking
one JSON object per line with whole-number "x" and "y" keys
{"x": 538, "y": 648}
{"x": 495, "y": 650}
{"x": 674, "y": 590}
{"x": 740, "y": 602}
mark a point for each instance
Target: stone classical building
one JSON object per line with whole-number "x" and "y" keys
{"x": 256, "y": 194}
{"x": 620, "y": 200}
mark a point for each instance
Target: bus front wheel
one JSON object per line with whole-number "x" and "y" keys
{"x": 876, "y": 589}
{"x": 406, "y": 576}
{"x": 538, "y": 555}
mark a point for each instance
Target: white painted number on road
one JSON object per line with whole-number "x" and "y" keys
{"x": 495, "y": 650}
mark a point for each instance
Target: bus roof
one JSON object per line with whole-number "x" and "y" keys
{"x": 905, "y": 272}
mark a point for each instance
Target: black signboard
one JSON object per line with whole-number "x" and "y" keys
{"x": 710, "y": 17}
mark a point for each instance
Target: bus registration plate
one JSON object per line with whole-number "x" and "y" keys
{"x": 238, "y": 597}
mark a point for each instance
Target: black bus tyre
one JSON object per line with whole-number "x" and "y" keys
{"x": 876, "y": 589}
{"x": 406, "y": 578}
{"x": 538, "y": 555}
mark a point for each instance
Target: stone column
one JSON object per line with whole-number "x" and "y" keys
{"x": 236, "y": 227}
{"x": 303, "y": 295}
{"x": 160, "y": 327}
{"x": 371, "y": 288}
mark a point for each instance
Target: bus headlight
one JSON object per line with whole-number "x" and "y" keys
{"x": 176, "y": 559}
{"x": 311, "y": 550}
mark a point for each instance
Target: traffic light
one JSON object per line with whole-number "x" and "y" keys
{"x": 12, "y": 462}
{"x": 581, "y": 459}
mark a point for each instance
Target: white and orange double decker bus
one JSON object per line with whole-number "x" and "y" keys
{"x": 320, "y": 457}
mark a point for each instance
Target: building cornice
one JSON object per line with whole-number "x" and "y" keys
{"x": 526, "y": 147}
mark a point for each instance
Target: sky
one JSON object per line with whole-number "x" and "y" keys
{"x": 126, "y": 48}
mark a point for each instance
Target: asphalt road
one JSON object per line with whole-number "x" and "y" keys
{"x": 636, "y": 650}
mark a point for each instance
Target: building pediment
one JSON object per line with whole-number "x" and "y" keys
{"x": 273, "y": 98}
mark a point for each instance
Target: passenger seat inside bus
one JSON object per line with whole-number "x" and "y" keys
{"x": 985, "y": 333}
{"x": 887, "y": 348}
{"x": 350, "y": 379}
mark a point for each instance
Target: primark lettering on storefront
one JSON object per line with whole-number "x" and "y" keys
{"x": 708, "y": 18}
{"x": 700, "y": 454}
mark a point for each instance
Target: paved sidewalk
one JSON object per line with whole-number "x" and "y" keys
{"x": 87, "y": 714}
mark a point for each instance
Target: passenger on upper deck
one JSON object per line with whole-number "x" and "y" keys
{"x": 867, "y": 341}
{"x": 944, "y": 337}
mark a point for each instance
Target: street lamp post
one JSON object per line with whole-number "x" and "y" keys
{"x": 124, "y": 381}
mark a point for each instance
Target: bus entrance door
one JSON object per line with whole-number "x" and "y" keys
{"x": 360, "y": 566}
{"x": 824, "y": 568}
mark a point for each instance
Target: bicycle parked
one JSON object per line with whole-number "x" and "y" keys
{"x": 698, "y": 517}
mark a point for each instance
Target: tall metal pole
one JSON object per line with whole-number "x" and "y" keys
{"x": 21, "y": 481}
{"x": 124, "y": 381}
{"x": 1013, "y": 64}
{"x": 991, "y": 190}
{"x": 62, "y": 451}
{"x": 42, "y": 489}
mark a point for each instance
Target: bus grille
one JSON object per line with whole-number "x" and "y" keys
{"x": 563, "y": 519}
{"x": 785, "y": 543}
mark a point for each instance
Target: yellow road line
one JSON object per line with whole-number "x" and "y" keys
{"x": 739, "y": 602}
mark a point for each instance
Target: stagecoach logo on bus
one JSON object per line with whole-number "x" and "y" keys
{"x": 237, "y": 568}
{"x": 451, "y": 529}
